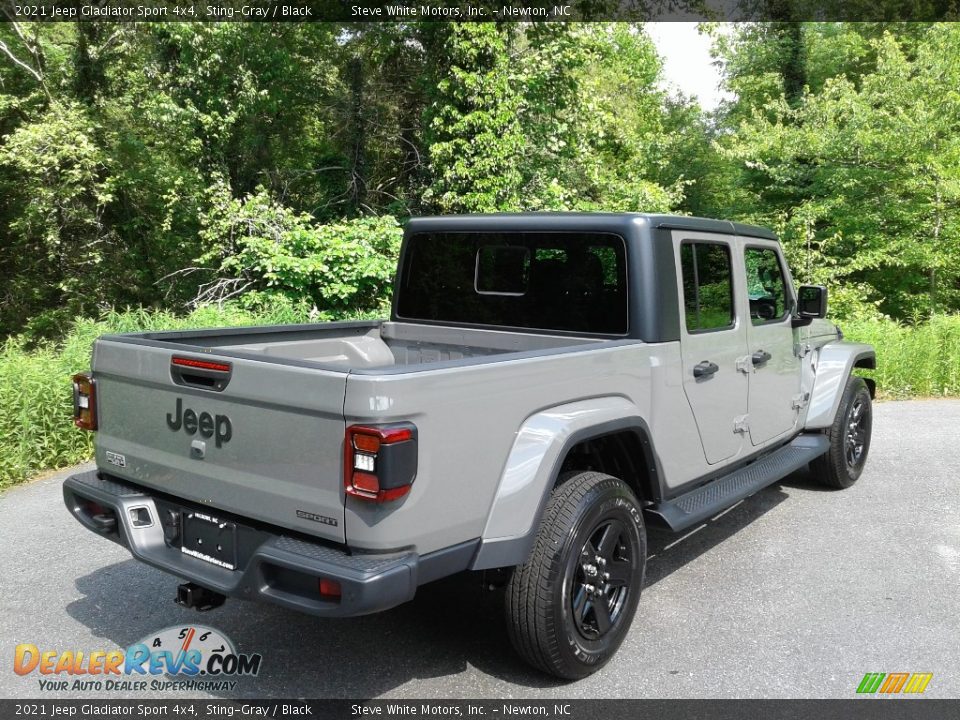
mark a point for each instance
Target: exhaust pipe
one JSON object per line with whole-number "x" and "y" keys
{"x": 191, "y": 595}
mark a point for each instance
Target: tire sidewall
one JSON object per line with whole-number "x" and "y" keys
{"x": 613, "y": 501}
{"x": 845, "y": 474}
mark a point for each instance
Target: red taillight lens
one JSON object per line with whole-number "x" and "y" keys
{"x": 370, "y": 438}
{"x": 365, "y": 482}
{"x": 380, "y": 461}
{"x": 84, "y": 402}
{"x": 367, "y": 443}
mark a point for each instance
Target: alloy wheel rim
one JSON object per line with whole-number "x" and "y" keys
{"x": 856, "y": 433}
{"x": 600, "y": 585}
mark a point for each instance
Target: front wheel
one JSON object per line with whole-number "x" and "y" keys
{"x": 570, "y": 605}
{"x": 849, "y": 437}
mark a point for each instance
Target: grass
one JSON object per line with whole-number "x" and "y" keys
{"x": 912, "y": 360}
{"x": 37, "y": 432}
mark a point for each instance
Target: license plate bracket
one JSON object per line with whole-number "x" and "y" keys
{"x": 209, "y": 538}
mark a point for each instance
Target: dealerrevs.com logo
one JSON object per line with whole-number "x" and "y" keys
{"x": 190, "y": 658}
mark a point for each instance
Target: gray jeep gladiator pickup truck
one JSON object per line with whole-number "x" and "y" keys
{"x": 547, "y": 385}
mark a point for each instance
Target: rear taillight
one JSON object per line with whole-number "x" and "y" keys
{"x": 380, "y": 461}
{"x": 84, "y": 401}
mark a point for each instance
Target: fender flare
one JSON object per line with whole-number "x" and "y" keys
{"x": 834, "y": 365}
{"x": 533, "y": 465}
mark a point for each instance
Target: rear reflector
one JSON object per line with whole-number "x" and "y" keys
{"x": 84, "y": 402}
{"x": 329, "y": 589}
{"x": 93, "y": 508}
{"x": 201, "y": 364}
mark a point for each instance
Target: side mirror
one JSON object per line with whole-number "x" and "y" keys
{"x": 812, "y": 301}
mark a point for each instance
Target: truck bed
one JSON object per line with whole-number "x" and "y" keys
{"x": 367, "y": 345}
{"x": 284, "y": 397}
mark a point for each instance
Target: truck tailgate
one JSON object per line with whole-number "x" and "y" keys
{"x": 267, "y": 446}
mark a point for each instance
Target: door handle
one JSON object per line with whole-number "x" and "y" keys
{"x": 705, "y": 368}
{"x": 760, "y": 357}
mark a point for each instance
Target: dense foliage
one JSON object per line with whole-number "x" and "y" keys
{"x": 164, "y": 165}
{"x": 257, "y": 248}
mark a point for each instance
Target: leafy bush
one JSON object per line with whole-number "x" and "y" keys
{"x": 36, "y": 431}
{"x": 256, "y": 244}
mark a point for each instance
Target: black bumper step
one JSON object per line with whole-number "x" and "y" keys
{"x": 280, "y": 569}
{"x": 707, "y": 500}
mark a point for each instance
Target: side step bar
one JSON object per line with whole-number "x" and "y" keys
{"x": 707, "y": 500}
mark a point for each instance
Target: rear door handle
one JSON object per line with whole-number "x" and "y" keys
{"x": 760, "y": 357}
{"x": 705, "y": 368}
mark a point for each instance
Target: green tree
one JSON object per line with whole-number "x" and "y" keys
{"x": 861, "y": 177}
{"x": 473, "y": 133}
{"x": 548, "y": 116}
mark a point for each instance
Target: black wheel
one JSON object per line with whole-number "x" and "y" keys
{"x": 570, "y": 605}
{"x": 849, "y": 437}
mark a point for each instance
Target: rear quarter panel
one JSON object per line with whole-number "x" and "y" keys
{"x": 468, "y": 418}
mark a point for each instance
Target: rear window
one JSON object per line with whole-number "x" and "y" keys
{"x": 573, "y": 282}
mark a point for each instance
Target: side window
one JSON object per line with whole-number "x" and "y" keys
{"x": 707, "y": 287}
{"x": 765, "y": 286}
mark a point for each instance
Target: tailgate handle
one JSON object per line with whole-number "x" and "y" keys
{"x": 203, "y": 374}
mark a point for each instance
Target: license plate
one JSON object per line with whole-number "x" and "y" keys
{"x": 210, "y": 538}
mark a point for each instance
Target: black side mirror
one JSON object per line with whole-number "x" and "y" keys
{"x": 812, "y": 301}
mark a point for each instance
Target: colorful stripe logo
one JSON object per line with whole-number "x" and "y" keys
{"x": 894, "y": 683}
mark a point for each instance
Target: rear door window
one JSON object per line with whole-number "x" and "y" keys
{"x": 707, "y": 286}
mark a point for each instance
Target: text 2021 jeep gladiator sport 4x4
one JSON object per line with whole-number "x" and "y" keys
{"x": 546, "y": 385}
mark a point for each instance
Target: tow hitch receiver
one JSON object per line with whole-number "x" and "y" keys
{"x": 199, "y": 598}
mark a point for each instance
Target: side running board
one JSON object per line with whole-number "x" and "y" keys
{"x": 707, "y": 500}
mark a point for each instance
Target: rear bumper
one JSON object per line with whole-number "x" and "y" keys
{"x": 273, "y": 567}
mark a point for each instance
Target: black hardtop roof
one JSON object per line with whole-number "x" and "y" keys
{"x": 594, "y": 221}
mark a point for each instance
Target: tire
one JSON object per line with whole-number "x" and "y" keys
{"x": 556, "y": 622}
{"x": 849, "y": 437}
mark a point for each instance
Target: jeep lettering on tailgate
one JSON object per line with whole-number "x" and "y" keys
{"x": 208, "y": 425}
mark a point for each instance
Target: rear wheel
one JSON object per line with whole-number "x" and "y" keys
{"x": 570, "y": 605}
{"x": 849, "y": 437}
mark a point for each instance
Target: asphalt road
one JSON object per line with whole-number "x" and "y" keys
{"x": 795, "y": 592}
